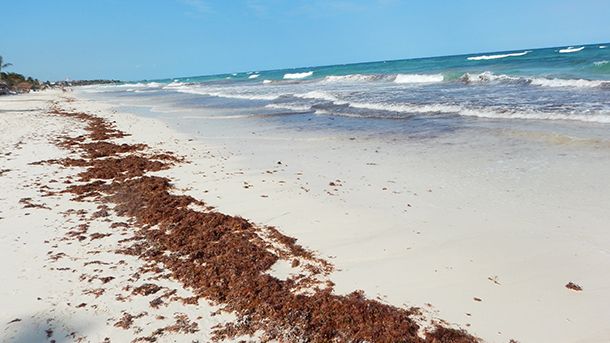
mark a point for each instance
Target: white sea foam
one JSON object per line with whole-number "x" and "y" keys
{"x": 267, "y": 81}
{"x": 317, "y": 95}
{"x": 487, "y": 77}
{"x": 253, "y": 76}
{"x": 130, "y": 85}
{"x": 578, "y": 83}
{"x": 494, "y": 57}
{"x": 231, "y": 95}
{"x": 408, "y": 108}
{"x": 296, "y": 76}
{"x": 291, "y": 107}
{"x": 541, "y": 82}
{"x": 234, "y": 116}
{"x": 600, "y": 63}
{"x": 482, "y": 113}
{"x": 570, "y": 50}
{"x": 418, "y": 78}
{"x": 352, "y": 78}
{"x": 603, "y": 46}
{"x": 174, "y": 84}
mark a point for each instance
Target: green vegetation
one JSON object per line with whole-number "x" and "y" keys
{"x": 16, "y": 83}
{"x": 4, "y": 65}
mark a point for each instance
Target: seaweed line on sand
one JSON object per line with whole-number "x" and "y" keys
{"x": 226, "y": 259}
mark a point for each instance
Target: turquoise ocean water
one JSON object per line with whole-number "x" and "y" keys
{"x": 562, "y": 84}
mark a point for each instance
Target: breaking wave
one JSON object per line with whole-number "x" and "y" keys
{"x": 570, "y": 49}
{"x": 541, "y": 82}
{"x": 578, "y": 83}
{"x": 406, "y": 110}
{"x": 593, "y": 118}
{"x": 487, "y": 77}
{"x": 253, "y": 76}
{"x": 397, "y": 78}
{"x": 353, "y": 78}
{"x": 291, "y": 107}
{"x": 494, "y": 57}
{"x": 419, "y": 78}
{"x": 296, "y": 76}
{"x": 317, "y": 95}
{"x": 230, "y": 95}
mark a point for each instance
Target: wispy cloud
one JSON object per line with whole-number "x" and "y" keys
{"x": 197, "y": 6}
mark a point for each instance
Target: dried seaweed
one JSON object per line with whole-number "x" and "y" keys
{"x": 226, "y": 259}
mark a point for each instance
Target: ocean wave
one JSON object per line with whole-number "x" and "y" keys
{"x": 242, "y": 96}
{"x": 353, "y": 78}
{"x": 491, "y": 113}
{"x": 600, "y": 63}
{"x": 129, "y": 85}
{"x": 132, "y": 86}
{"x": 254, "y": 76}
{"x": 317, "y": 95}
{"x": 408, "y": 108}
{"x": 570, "y": 49}
{"x": 577, "y": 83}
{"x": 292, "y": 107}
{"x": 418, "y": 78}
{"x": 482, "y": 113}
{"x": 174, "y": 84}
{"x": 488, "y": 77}
{"x": 494, "y": 57}
{"x": 603, "y": 46}
{"x": 296, "y": 76}
{"x": 541, "y": 82}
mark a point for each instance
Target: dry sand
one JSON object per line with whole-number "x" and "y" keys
{"x": 486, "y": 239}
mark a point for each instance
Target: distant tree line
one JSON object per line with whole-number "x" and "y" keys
{"x": 14, "y": 83}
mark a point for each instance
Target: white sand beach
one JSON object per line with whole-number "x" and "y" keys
{"x": 483, "y": 234}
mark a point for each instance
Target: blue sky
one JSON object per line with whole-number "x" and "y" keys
{"x": 148, "y": 39}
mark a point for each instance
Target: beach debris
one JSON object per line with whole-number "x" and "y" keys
{"x": 573, "y": 286}
{"x": 28, "y": 203}
{"x": 494, "y": 279}
{"x": 146, "y": 289}
{"x": 127, "y": 320}
{"x": 97, "y": 292}
{"x": 477, "y": 299}
{"x": 106, "y": 279}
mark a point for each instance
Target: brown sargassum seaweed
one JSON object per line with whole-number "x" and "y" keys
{"x": 225, "y": 259}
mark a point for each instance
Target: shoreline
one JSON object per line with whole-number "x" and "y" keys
{"x": 362, "y": 272}
{"x": 228, "y": 264}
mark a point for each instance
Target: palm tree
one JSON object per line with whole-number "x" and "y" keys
{"x": 4, "y": 65}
